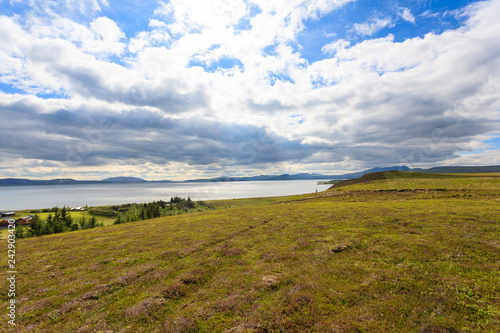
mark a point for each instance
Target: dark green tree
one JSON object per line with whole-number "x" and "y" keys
{"x": 57, "y": 223}
{"x": 82, "y": 222}
{"x": 92, "y": 222}
{"x": 36, "y": 226}
{"x": 66, "y": 217}
{"x": 19, "y": 231}
{"x": 50, "y": 224}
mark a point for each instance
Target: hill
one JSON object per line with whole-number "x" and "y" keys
{"x": 22, "y": 181}
{"x": 462, "y": 169}
{"x": 354, "y": 175}
{"x": 400, "y": 252}
{"x": 123, "y": 180}
{"x": 299, "y": 176}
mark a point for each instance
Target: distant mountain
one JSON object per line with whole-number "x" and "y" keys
{"x": 461, "y": 169}
{"x": 300, "y": 176}
{"x": 361, "y": 173}
{"x": 15, "y": 181}
{"x": 123, "y": 180}
{"x": 21, "y": 181}
{"x": 28, "y": 182}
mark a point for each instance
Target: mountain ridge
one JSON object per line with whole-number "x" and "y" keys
{"x": 123, "y": 180}
{"x": 299, "y": 176}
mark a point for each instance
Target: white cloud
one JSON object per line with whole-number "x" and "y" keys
{"x": 157, "y": 37}
{"x": 106, "y": 38}
{"x": 164, "y": 9}
{"x": 101, "y": 37}
{"x": 407, "y": 15}
{"x": 333, "y": 47}
{"x": 67, "y": 7}
{"x": 372, "y": 26}
{"x": 146, "y": 39}
{"x": 487, "y": 157}
{"x": 429, "y": 13}
{"x": 156, "y": 24}
{"x": 200, "y": 14}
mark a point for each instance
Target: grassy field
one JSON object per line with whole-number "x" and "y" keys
{"x": 76, "y": 215}
{"x": 392, "y": 252}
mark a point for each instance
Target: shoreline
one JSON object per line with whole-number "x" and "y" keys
{"x": 19, "y": 198}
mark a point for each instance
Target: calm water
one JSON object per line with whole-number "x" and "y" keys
{"x": 36, "y": 197}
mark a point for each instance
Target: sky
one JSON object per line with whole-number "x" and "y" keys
{"x": 187, "y": 89}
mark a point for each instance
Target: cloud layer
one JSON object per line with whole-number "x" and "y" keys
{"x": 223, "y": 87}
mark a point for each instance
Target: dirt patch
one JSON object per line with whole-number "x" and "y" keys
{"x": 174, "y": 292}
{"x": 196, "y": 276}
{"x": 341, "y": 248}
{"x": 246, "y": 328}
{"x": 145, "y": 307}
{"x": 231, "y": 252}
{"x": 270, "y": 280}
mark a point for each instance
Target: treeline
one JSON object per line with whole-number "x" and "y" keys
{"x": 176, "y": 206}
{"x": 60, "y": 222}
{"x": 51, "y": 210}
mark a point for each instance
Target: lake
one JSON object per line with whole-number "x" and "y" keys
{"x": 48, "y": 196}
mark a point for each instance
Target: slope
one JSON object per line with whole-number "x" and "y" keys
{"x": 401, "y": 253}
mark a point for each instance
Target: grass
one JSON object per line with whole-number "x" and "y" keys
{"x": 76, "y": 215}
{"x": 400, "y": 253}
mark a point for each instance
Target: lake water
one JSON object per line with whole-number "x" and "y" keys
{"x": 47, "y": 196}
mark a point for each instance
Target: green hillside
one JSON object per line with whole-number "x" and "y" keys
{"x": 391, "y": 252}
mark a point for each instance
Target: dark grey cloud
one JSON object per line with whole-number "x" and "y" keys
{"x": 415, "y": 130}
{"x": 98, "y": 137}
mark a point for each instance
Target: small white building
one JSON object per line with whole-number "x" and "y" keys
{"x": 7, "y": 214}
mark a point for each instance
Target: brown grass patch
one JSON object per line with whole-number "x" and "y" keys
{"x": 145, "y": 307}
{"x": 231, "y": 252}
{"x": 196, "y": 276}
{"x": 247, "y": 328}
{"x": 180, "y": 325}
{"x": 174, "y": 292}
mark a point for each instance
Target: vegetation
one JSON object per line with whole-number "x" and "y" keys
{"x": 328, "y": 182}
{"x": 395, "y": 252}
{"x": 103, "y": 211}
{"x": 60, "y": 222}
{"x": 146, "y": 211}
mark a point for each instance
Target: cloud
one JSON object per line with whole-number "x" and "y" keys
{"x": 67, "y": 7}
{"x": 373, "y": 26}
{"x": 165, "y": 9}
{"x": 198, "y": 14}
{"x": 94, "y": 136}
{"x": 488, "y": 157}
{"x": 333, "y": 47}
{"x": 407, "y": 15}
{"x": 207, "y": 92}
{"x": 106, "y": 39}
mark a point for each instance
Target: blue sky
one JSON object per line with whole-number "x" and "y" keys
{"x": 189, "y": 89}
